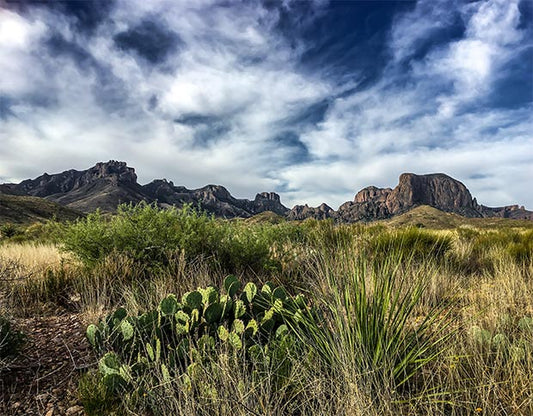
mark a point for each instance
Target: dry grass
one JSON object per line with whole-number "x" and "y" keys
{"x": 490, "y": 289}
{"x": 32, "y": 275}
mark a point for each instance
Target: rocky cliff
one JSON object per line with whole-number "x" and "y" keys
{"x": 435, "y": 190}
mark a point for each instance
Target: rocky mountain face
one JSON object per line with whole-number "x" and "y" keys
{"x": 436, "y": 190}
{"x": 103, "y": 186}
{"x": 108, "y": 184}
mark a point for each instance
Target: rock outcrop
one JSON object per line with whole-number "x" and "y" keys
{"x": 435, "y": 190}
{"x": 302, "y": 212}
{"x": 104, "y": 186}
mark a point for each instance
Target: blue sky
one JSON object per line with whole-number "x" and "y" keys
{"x": 311, "y": 99}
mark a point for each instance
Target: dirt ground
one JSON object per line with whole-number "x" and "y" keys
{"x": 43, "y": 379}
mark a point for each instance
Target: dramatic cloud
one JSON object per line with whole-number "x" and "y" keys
{"x": 311, "y": 99}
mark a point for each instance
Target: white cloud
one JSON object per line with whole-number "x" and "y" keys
{"x": 233, "y": 68}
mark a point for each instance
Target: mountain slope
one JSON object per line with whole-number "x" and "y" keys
{"x": 429, "y": 217}
{"x": 106, "y": 185}
{"x": 26, "y": 209}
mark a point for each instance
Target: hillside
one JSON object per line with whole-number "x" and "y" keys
{"x": 26, "y": 209}
{"x": 429, "y": 217}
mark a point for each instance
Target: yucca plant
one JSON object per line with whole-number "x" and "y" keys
{"x": 372, "y": 324}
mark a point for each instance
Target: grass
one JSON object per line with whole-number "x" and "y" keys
{"x": 411, "y": 320}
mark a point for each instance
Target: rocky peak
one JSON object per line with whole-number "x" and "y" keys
{"x": 301, "y": 212}
{"x": 268, "y": 201}
{"x": 269, "y": 196}
{"x": 372, "y": 193}
{"x": 214, "y": 192}
{"x": 437, "y": 190}
{"x": 113, "y": 170}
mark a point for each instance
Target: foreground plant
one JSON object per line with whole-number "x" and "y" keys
{"x": 372, "y": 328}
{"x": 178, "y": 338}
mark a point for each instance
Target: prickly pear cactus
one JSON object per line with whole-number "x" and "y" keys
{"x": 180, "y": 334}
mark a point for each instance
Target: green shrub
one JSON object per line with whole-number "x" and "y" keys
{"x": 9, "y": 230}
{"x": 151, "y": 236}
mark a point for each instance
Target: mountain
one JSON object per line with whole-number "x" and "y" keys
{"x": 436, "y": 190}
{"x": 107, "y": 184}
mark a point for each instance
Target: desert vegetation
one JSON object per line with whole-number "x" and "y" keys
{"x": 187, "y": 314}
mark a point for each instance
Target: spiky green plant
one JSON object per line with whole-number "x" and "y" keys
{"x": 371, "y": 324}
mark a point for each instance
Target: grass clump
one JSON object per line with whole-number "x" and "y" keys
{"x": 411, "y": 243}
{"x": 374, "y": 332}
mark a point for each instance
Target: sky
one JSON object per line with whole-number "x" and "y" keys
{"x": 311, "y": 99}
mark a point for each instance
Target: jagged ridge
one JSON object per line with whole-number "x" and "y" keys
{"x": 108, "y": 184}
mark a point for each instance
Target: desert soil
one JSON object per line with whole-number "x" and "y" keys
{"x": 43, "y": 379}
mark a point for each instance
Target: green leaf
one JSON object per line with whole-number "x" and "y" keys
{"x": 182, "y": 317}
{"x": 182, "y": 329}
{"x": 240, "y": 309}
{"x": 251, "y": 328}
{"x": 150, "y": 351}
{"x": 206, "y": 342}
{"x": 238, "y": 326}
{"x": 165, "y": 373}
{"x": 268, "y": 288}
{"x": 127, "y": 330}
{"x": 231, "y": 285}
{"x": 235, "y": 340}
{"x": 120, "y": 314}
{"x": 209, "y": 295}
{"x": 222, "y": 333}
{"x": 109, "y": 364}
{"x": 279, "y": 293}
{"x": 193, "y": 299}
{"x": 282, "y": 331}
{"x": 93, "y": 335}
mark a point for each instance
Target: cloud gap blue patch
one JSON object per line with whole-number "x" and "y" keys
{"x": 150, "y": 40}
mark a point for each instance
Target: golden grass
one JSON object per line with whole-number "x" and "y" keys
{"x": 30, "y": 258}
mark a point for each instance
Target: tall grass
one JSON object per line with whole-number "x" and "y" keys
{"x": 412, "y": 321}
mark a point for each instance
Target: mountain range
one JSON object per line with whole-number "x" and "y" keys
{"x": 108, "y": 184}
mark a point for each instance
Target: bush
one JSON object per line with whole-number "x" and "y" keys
{"x": 152, "y": 236}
